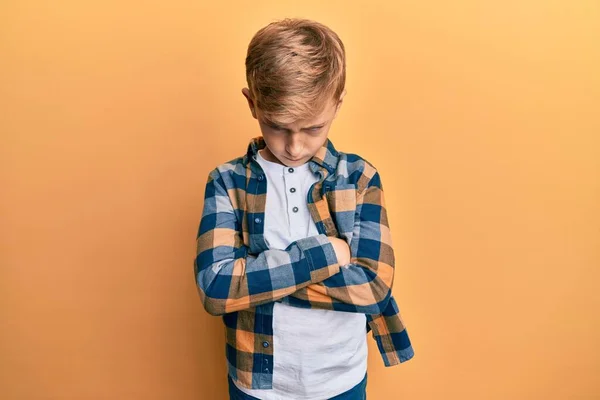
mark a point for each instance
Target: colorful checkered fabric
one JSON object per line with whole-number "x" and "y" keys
{"x": 239, "y": 278}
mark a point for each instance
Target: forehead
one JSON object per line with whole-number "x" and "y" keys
{"x": 321, "y": 117}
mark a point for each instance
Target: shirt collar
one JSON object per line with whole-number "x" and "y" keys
{"x": 278, "y": 167}
{"x": 327, "y": 156}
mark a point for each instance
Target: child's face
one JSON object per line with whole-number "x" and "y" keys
{"x": 295, "y": 143}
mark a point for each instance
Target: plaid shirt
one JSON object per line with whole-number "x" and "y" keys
{"x": 239, "y": 278}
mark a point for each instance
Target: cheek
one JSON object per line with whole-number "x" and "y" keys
{"x": 274, "y": 144}
{"x": 268, "y": 136}
{"x": 319, "y": 142}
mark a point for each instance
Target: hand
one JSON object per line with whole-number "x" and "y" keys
{"x": 342, "y": 251}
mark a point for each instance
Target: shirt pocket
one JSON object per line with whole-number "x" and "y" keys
{"x": 341, "y": 199}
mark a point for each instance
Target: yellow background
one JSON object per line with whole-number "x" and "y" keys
{"x": 482, "y": 117}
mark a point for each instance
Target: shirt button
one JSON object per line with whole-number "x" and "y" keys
{"x": 266, "y": 369}
{"x": 265, "y": 344}
{"x": 295, "y": 209}
{"x": 290, "y": 169}
{"x": 292, "y": 190}
{"x": 260, "y": 178}
{"x": 257, "y": 220}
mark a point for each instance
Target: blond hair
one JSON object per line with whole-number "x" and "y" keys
{"x": 295, "y": 67}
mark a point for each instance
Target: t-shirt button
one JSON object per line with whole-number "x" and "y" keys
{"x": 293, "y": 190}
{"x": 295, "y": 209}
{"x": 290, "y": 169}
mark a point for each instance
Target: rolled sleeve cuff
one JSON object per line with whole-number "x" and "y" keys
{"x": 320, "y": 254}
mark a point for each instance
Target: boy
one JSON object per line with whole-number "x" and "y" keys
{"x": 294, "y": 248}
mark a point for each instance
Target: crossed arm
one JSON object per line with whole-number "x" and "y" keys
{"x": 365, "y": 284}
{"x": 305, "y": 274}
{"x": 230, "y": 279}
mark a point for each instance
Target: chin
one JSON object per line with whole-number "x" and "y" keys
{"x": 288, "y": 160}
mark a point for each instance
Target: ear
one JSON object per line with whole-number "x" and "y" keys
{"x": 339, "y": 103}
{"x": 251, "y": 104}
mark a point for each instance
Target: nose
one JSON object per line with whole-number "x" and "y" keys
{"x": 294, "y": 146}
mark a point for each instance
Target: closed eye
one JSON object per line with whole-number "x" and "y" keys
{"x": 311, "y": 129}
{"x": 277, "y": 128}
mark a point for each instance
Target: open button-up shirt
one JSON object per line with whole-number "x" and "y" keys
{"x": 239, "y": 278}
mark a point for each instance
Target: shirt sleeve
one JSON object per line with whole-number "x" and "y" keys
{"x": 365, "y": 284}
{"x": 390, "y": 334}
{"x": 230, "y": 279}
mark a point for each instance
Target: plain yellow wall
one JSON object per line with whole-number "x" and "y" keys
{"x": 482, "y": 117}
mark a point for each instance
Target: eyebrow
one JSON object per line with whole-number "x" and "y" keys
{"x": 276, "y": 125}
